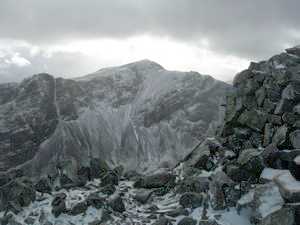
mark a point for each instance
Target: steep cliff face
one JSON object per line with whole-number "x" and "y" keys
{"x": 138, "y": 115}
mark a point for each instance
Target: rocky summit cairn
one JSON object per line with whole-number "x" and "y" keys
{"x": 248, "y": 174}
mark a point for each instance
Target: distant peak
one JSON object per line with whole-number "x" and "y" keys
{"x": 140, "y": 65}
{"x": 144, "y": 63}
{"x": 294, "y": 50}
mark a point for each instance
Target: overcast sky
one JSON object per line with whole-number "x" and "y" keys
{"x": 75, "y": 37}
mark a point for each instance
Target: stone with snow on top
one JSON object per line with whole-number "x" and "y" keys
{"x": 294, "y": 51}
{"x": 269, "y": 174}
{"x": 288, "y": 155}
{"x": 216, "y": 186}
{"x": 297, "y": 160}
{"x": 245, "y": 201}
{"x": 289, "y": 187}
{"x": 267, "y": 207}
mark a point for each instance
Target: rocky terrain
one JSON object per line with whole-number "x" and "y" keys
{"x": 246, "y": 174}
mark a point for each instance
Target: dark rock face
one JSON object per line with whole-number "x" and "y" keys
{"x": 28, "y": 117}
{"x": 17, "y": 193}
{"x": 143, "y": 196}
{"x": 43, "y": 186}
{"x": 59, "y": 205}
{"x": 187, "y": 221}
{"x": 193, "y": 184}
{"x": 162, "y": 221}
{"x": 117, "y": 204}
{"x": 79, "y": 208}
{"x": 110, "y": 178}
{"x": 155, "y": 181}
{"x": 108, "y": 189}
{"x": 95, "y": 201}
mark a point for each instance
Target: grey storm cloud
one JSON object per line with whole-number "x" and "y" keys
{"x": 250, "y": 28}
{"x": 17, "y": 65}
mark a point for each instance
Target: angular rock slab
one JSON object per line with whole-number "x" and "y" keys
{"x": 295, "y": 138}
{"x": 269, "y": 174}
{"x": 289, "y": 187}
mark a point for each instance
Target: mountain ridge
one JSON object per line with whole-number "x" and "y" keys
{"x": 137, "y": 106}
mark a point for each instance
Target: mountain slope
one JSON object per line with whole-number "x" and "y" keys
{"x": 138, "y": 115}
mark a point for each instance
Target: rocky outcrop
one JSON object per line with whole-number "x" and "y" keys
{"x": 260, "y": 126}
{"x": 261, "y": 112}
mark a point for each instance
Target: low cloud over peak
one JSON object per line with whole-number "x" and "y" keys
{"x": 249, "y": 30}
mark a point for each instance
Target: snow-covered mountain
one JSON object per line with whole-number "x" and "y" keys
{"x": 138, "y": 115}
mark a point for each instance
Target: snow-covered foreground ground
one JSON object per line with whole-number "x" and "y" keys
{"x": 136, "y": 213}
